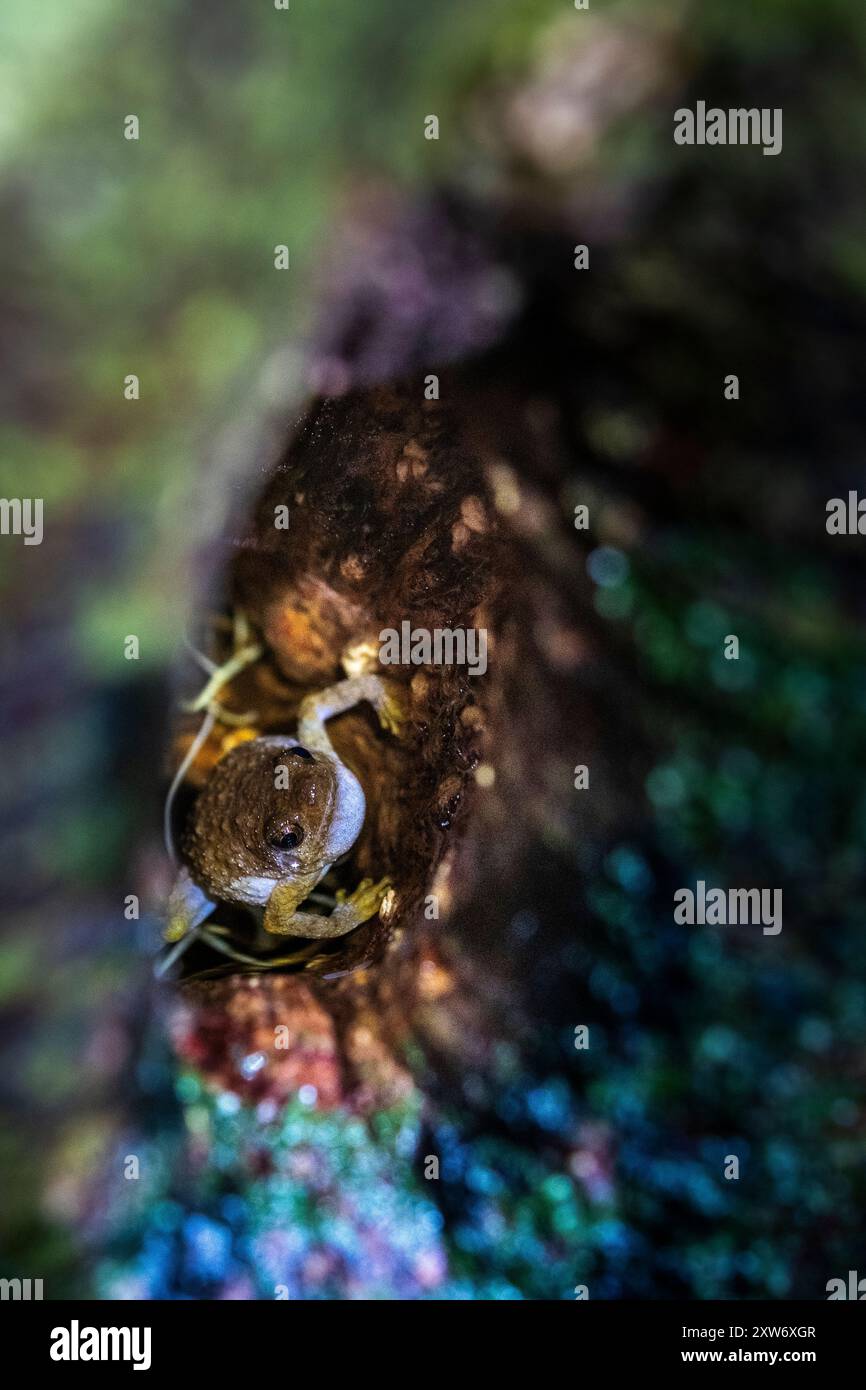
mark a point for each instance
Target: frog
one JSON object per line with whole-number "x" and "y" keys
{"x": 275, "y": 814}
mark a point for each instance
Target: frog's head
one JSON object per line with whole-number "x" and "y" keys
{"x": 271, "y": 812}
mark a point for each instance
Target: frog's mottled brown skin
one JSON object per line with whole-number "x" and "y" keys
{"x": 241, "y": 812}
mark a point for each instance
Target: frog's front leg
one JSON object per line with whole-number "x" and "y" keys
{"x": 283, "y": 919}
{"x": 325, "y": 704}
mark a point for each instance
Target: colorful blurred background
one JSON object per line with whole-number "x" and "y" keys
{"x": 155, "y": 257}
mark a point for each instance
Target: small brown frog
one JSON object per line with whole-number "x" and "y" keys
{"x": 274, "y": 815}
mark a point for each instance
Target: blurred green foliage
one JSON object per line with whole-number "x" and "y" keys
{"x": 155, "y": 256}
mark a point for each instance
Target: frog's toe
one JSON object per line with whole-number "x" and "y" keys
{"x": 187, "y": 907}
{"x": 367, "y": 897}
{"x": 392, "y": 714}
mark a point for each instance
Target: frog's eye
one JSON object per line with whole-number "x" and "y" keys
{"x": 300, "y": 752}
{"x": 287, "y": 838}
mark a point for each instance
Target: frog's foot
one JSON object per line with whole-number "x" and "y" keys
{"x": 187, "y": 907}
{"x": 348, "y": 914}
{"x": 391, "y": 709}
{"x": 361, "y": 658}
{"x": 366, "y": 899}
